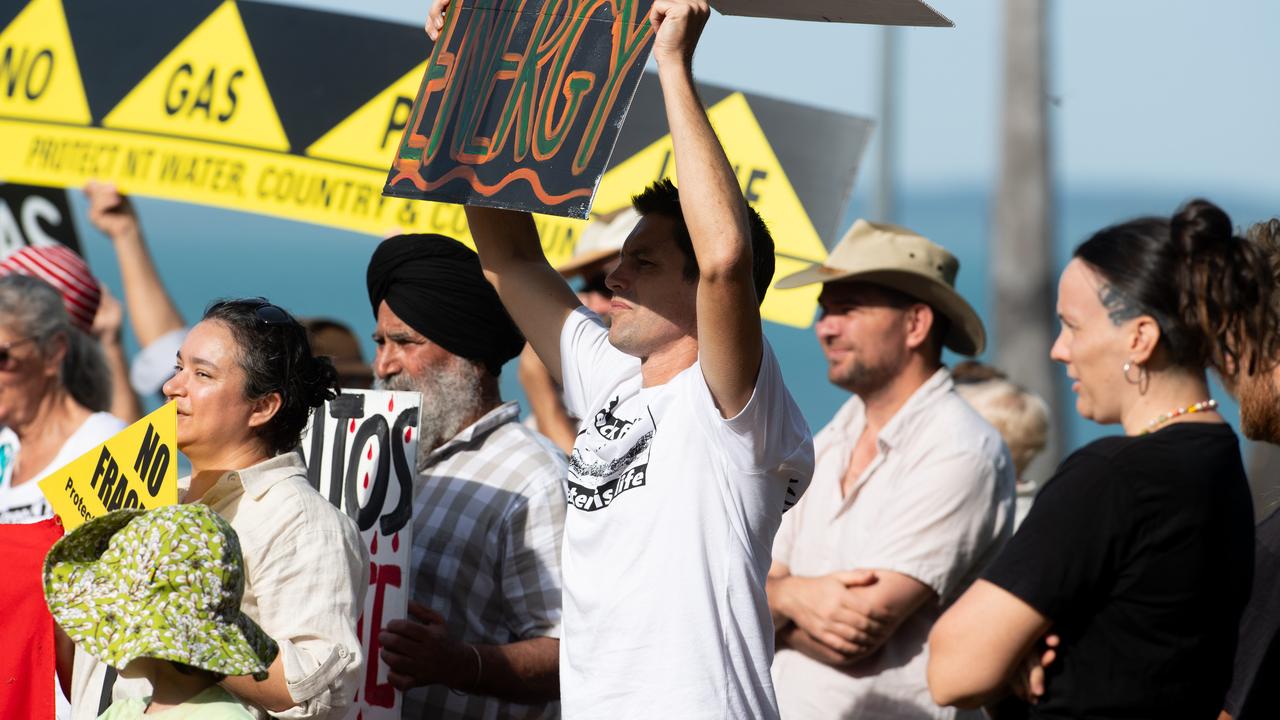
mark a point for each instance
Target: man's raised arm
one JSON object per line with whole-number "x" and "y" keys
{"x": 730, "y": 340}
{"x": 535, "y": 295}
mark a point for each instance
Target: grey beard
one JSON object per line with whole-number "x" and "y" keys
{"x": 450, "y": 398}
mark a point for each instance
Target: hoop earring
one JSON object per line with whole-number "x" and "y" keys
{"x": 1143, "y": 381}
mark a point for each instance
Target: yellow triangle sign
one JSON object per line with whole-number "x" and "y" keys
{"x": 39, "y": 75}
{"x": 765, "y": 185}
{"x": 209, "y": 88}
{"x": 369, "y": 136}
{"x": 136, "y": 467}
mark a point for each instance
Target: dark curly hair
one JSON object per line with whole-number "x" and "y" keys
{"x": 275, "y": 355}
{"x": 1266, "y": 235}
{"x": 1208, "y": 290}
{"x": 662, "y": 198}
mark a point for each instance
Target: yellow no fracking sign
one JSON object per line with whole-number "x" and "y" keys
{"x": 136, "y": 468}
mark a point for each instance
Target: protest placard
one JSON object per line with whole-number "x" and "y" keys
{"x": 361, "y": 452}
{"x": 228, "y": 104}
{"x": 31, "y": 215}
{"x": 135, "y": 468}
{"x": 521, "y": 102}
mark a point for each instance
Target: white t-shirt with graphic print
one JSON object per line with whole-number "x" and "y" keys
{"x": 672, "y": 514}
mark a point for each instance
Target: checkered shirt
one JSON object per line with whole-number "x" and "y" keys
{"x": 488, "y": 518}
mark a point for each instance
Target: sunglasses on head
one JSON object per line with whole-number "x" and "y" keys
{"x": 274, "y": 316}
{"x": 269, "y": 314}
{"x": 6, "y": 354}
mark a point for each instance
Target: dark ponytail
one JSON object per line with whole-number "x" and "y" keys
{"x": 1227, "y": 287}
{"x": 276, "y": 358}
{"x": 1208, "y": 290}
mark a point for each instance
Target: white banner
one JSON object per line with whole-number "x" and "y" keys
{"x": 361, "y": 450}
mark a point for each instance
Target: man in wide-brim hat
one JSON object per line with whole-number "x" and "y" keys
{"x": 912, "y": 490}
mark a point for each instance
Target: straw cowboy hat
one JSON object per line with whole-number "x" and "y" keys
{"x": 900, "y": 259}
{"x": 164, "y": 583}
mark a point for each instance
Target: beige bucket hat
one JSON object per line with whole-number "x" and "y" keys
{"x": 897, "y": 258}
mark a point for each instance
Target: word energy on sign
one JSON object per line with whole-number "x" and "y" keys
{"x": 521, "y": 103}
{"x": 361, "y": 450}
{"x": 136, "y": 468}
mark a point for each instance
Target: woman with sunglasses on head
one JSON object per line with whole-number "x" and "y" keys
{"x": 245, "y": 383}
{"x": 49, "y": 378}
{"x": 1137, "y": 555}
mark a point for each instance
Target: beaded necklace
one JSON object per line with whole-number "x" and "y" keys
{"x": 1202, "y": 406}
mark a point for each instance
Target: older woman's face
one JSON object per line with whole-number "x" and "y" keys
{"x": 1093, "y": 348}
{"x": 26, "y": 375}
{"x": 208, "y": 386}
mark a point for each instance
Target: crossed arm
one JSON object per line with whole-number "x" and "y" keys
{"x": 842, "y": 618}
{"x": 980, "y": 644}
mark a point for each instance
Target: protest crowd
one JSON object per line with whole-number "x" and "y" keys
{"x": 663, "y": 535}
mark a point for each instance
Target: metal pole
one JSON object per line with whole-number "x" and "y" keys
{"x": 884, "y": 205}
{"x": 1022, "y": 256}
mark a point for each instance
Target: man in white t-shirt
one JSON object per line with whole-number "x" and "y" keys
{"x": 912, "y": 491}
{"x": 691, "y": 447}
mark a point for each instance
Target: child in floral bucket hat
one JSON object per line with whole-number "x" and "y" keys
{"x": 156, "y": 593}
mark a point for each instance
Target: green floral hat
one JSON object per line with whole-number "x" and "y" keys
{"x": 163, "y": 583}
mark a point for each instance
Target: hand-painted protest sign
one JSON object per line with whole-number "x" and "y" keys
{"x": 521, "y": 103}
{"x": 361, "y": 451}
{"x": 873, "y": 12}
{"x": 187, "y": 101}
{"x": 136, "y": 467}
{"x": 31, "y": 215}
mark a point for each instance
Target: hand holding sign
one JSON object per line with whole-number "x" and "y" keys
{"x": 419, "y": 652}
{"x": 677, "y": 26}
{"x": 136, "y": 467}
{"x": 435, "y": 19}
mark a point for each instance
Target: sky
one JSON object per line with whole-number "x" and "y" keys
{"x": 1174, "y": 95}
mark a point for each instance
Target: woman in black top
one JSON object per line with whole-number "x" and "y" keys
{"x": 1137, "y": 554}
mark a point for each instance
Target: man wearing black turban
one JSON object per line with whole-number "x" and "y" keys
{"x": 488, "y": 496}
{"x": 434, "y": 283}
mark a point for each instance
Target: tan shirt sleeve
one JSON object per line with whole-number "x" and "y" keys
{"x": 310, "y": 592}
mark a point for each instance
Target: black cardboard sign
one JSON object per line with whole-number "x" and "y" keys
{"x": 521, "y": 103}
